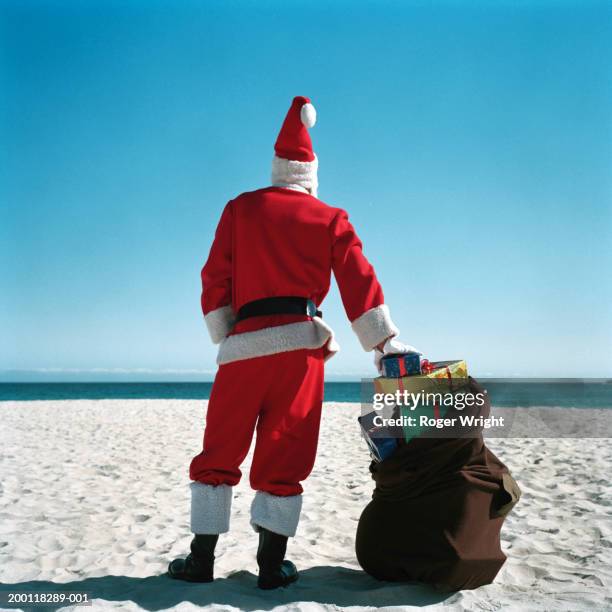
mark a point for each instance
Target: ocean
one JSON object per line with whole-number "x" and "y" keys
{"x": 564, "y": 393}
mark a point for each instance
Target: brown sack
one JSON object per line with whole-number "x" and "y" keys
{"x": 436, "y": 513}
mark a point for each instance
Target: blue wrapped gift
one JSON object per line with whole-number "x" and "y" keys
{"x": 396, "y": 366}
{"x": 381, "y": 440}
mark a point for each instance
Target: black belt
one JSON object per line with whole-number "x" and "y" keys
{"x": 278, "y": 305}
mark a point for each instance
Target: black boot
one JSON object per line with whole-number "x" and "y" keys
{"x": 274, "y": 571}
{"x": 198, "y": 566}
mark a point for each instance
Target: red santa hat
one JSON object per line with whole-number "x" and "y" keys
{"x": 294, "y": 164}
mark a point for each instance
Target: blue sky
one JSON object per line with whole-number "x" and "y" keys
{"x": 471, "y": 142}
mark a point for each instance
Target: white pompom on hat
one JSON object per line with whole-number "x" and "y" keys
{"x": 308, "y": 115}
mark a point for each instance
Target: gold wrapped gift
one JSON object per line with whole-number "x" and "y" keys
{"x": 441, "y": 375}
{"x": 412, "y": 394}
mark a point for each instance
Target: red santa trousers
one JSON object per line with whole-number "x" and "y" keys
{"x": 278, "y": 395}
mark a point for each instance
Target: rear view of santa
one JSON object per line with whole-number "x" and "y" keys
{"x": 267, "y": 273}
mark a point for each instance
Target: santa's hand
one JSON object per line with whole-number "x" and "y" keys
{"x": 392, "y": 347}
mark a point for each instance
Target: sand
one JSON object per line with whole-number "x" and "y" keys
{"x": 95, "y": 498}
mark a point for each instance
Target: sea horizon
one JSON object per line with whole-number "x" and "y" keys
{"x": 560, "y": 392}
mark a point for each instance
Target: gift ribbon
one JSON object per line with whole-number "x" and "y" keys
{"x": 450, "y": 377}
{"x": 426, "y": 368}
{"x": 402, "y": 366}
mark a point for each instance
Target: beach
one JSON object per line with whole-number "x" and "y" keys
{"x": 95, "y": 499}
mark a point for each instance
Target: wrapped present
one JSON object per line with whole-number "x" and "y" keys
{"x": 438, "y": 377}
{"x": 396, "y": 366}
{"x": 381, "y": 440}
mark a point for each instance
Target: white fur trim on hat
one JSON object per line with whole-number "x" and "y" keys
{"x": 275, "y": 513}
{"x": 220, "y": 322}
{"x": 288, "y": 172}
{"x": 278, "y": 339}
{"x": 374, "y": 326}
{"x": 294, "y": 188}
{"x": 210, "y": 508}
{"x": 308, "y": 115}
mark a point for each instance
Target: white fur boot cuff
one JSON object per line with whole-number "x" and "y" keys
{"x": 275, "y": 513}
{"x": 210, "y": 508}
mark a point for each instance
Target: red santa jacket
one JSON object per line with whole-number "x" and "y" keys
{"x": 279, "y": 241}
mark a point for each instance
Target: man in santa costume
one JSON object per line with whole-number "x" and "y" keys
{"x": 267, "y": 273}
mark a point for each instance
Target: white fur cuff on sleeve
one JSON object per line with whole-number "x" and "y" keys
{"x": 374, "y": 326}
{"x": 220, "y": 322}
